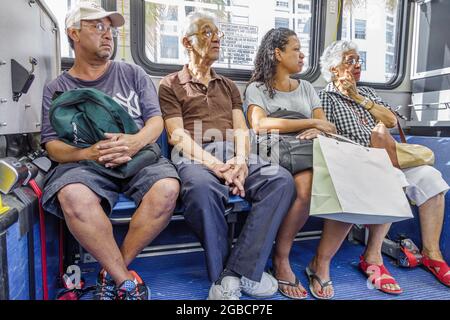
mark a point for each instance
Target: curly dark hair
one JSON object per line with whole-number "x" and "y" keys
{"x": 265, "y": 61}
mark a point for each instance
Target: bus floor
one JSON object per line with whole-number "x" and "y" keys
{"x": 183, "y": 276}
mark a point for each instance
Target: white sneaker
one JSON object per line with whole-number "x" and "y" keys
{"x": 228, "y": 289}
{"x": 267, "y": 287}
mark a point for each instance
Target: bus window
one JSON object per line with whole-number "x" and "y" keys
{"x": 241, "y": 21}
{"x": 59, "y": 9}
{"x": 375, "y": 26}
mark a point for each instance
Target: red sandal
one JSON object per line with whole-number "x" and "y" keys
{"x": 443, "y": 275}
{"x": 375, "y": 272}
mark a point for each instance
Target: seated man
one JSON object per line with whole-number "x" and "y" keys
{"x": 83, "y": 196}
{"x": 212, "y": 165}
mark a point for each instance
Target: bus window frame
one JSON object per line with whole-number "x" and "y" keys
{"x": 137, "y": 39}
{"x": 401, "y": 40}
{"x": 66, "y": 62}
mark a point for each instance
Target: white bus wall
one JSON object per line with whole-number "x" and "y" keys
{"x": 27, "y": 29}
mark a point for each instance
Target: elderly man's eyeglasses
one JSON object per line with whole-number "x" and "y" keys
{"x": 101, "y": 28}
{"x": 208, "y": 34}
{"x": 352, "y": 62}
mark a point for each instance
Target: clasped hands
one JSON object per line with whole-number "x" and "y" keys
{"x": 115, "y": 150}
{"x": 234, "y": 172}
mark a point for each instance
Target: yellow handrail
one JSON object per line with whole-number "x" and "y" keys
{"x": 3, "y": 209}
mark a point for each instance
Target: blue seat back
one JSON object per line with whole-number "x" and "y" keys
{"x": 411, "y": 227}
{"x": 441, "y": 149}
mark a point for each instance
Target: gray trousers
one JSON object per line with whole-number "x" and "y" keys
{"x": 205, "y": 196}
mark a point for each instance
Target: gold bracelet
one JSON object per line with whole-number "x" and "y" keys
{"x": 365, "y": 102}
{"x": 373, "y": 105}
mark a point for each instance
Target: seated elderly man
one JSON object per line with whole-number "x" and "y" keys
{"x": 84, "y": 196}
{"x": 355, "y": 111}
{"x": 203, "y": 115}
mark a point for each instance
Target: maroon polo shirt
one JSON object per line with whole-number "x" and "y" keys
{"x": 182, "y": 96}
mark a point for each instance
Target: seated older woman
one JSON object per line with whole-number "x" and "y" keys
{"x": 355, "y": 110}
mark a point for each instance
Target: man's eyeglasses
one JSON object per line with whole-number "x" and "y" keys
{"x": 352, "y": 62}
{"x": 101, "y": 28}
{"x": 208, "y": 34}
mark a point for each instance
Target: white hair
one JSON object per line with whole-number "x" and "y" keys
{"x": 333, "y": 55}
{"x": 191, "y": 26}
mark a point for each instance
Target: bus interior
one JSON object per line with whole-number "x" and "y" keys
{"x": 405, "y": 52}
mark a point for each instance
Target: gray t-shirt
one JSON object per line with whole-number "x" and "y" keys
{"x": 304, "y": 99}
{"x": 126, "y": 83}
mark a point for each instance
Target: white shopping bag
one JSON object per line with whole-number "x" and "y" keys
{"x": 356, "y": 184}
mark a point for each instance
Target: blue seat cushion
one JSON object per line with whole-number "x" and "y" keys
{"x": 125, "y": 206}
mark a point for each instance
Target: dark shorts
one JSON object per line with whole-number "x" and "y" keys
{"x": 105, "y": 187}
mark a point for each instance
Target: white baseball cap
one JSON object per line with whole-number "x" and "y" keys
{"x": 91, "y": 11}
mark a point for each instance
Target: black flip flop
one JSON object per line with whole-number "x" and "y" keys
{"x": 313, "y": 276}
{"x": 294, "y": 284}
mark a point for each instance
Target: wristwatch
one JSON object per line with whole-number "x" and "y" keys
{"x": 366, "y": 102}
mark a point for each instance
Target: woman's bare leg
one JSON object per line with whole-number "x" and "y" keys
{"x": 295, "y": 219}
{"x": 334, "y": 233}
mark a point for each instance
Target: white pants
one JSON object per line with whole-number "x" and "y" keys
{"x": 422, "y": 183}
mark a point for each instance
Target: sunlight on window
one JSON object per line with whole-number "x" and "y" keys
{"x": 244, "y": 23}
{"x": 372, "y": 25}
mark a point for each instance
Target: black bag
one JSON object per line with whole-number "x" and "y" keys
{"x": 285, "y": 149}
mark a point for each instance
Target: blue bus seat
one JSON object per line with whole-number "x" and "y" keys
{"x": 239, "y": 204}
{"x": 125, "y": 204}
{"x": 411, "y": 227}
{"x": 125, "y": 207}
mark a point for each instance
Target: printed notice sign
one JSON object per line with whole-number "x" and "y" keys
{"x": 239, "y": 44}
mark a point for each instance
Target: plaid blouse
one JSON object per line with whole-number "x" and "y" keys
{"x": 351, "y": 119}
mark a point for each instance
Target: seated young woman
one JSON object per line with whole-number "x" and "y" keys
{"x": 271, "y": 89}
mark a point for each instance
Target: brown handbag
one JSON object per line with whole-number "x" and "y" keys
{"x": 403, "y": 155}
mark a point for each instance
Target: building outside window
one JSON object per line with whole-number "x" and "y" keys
{"x": 281, "y": 23}
{"x": 360, "y": 29}
{"x": 372, "y": 25}
{"x": 239, "y": 3}
{"x": 305, "y": 7}
{"x": 189, "y": 9}
{"x": 169, "y": 47}
{"x": 282, "y": 4}
{"x": 344, "y": 28}
{"x": 389, "y": 33}
{"x": 240, "y": 20}
{"x": 363, "y": 57}
{"x": 390, "y": 66}
{"x": 170, "y": 13}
